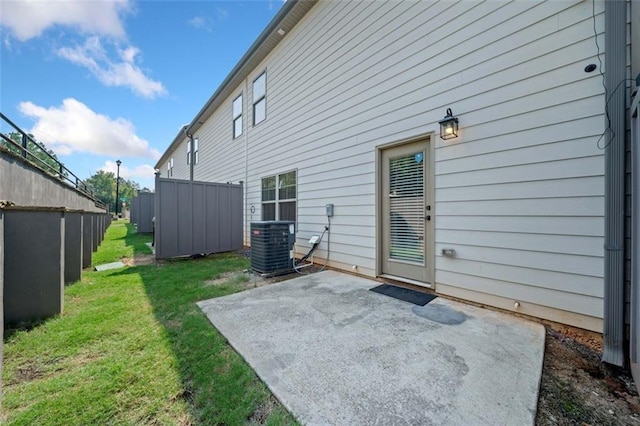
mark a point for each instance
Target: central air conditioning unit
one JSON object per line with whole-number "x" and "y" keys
{"x": 272, "y": 247}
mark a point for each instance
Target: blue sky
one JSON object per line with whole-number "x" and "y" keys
{"x": 98, "y": 81}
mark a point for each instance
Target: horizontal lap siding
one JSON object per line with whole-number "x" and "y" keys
{"x": 519, "y": 194}
{"x": 181, "y": 170}
{"x": 221, "y": 158}
{"x": 523, "y": 205}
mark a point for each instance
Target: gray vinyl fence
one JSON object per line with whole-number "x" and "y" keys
{"x": 135, "y": 207}
{"x": 197, "y": 218}
{"x": 634, "y": 344}
{"x": 145, "y": 210}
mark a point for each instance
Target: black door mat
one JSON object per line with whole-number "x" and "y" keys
{"x": 404, "y": 294}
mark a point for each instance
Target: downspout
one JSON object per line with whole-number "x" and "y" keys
{"x": 615, "y": 48}
{"x": 246, "y": 164}
{"x": 634, "y": 314}
{"x": 191, "y": 156}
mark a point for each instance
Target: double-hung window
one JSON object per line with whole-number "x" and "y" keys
{"x": 170, "y": 167}
{"x": 195, "y": 151}
{"x": 260, "y": 98}
{"x": 237, "y": 116}
{"x": 279, "y": 194}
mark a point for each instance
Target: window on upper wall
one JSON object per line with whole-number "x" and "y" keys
{"x": 237, "y": 116}
{"x": 260, "y": 98}
{"x": 196, "y": 142}
{"x": 170, "y": 167}
{"x": 279, "y": 197}
{"x": 189, "y": 151}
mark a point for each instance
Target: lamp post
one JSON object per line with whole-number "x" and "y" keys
{"x": 118, "y": 186}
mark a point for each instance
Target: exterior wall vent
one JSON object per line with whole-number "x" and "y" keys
{"x": 272, "y": 247}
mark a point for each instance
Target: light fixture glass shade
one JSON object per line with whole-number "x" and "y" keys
{"x": 449, "y": 126}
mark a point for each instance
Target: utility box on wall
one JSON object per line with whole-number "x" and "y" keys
{"x": 272, "y": 247}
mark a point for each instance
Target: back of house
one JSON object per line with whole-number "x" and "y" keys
{"x": 341, "y": 102}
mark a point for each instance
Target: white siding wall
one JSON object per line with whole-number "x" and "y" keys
{"x": 519, "y": 195}
{"x": 180, "y": 166}
{"x": 181, "y": 170}
{"x": 222, "y": 158}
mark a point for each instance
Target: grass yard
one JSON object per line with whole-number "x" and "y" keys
{"x": 133, "y": 348}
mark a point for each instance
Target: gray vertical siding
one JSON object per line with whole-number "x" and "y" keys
{"x": 197, "y": 218}
{"x": 615, "y": 45}
{"x": 145, "y": 211}
{"x": 33, "y": 293}
{"x": 87, "y": 239}
{"x": 73, "y": 237}
{"x": 135, "y": 207}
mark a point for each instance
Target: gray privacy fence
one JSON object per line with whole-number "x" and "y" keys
{"x": 196, "y": 217}
{"x": 135, "y": 206}
{"x": 143, "y": 211}
{"x": 59, "y": 242}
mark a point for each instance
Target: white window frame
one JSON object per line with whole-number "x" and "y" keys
{"x": 278, "y": 201}
{"x": 170, "y": 167}
{"x": 196, "y": 144}
{"x": 261, "y": 98}
{"x": 189, "y": 151}
{"x": 235, "y": 117}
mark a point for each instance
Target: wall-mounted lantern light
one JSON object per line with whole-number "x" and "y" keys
{"x": 449, "y": 126}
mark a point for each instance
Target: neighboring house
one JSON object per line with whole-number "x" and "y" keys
{"x": 339, "y": 102}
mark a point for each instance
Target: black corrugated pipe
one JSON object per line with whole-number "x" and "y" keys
{"x": 615, "y": 48}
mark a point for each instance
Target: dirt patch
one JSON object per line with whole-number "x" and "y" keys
{"x": 263, "y": 410}
{"x": 38, "y": 369}
{"x": 28, "y": 373}
{"x": 249, "y": 280}
{"x": 225, "y": 278}
{"x": 139, "y": 259}
{"x": 578, "y": 389}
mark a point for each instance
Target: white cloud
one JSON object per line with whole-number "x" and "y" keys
{"x": 136, "y": 173}
{"x": 74, "y": 127}
{"x": 27, "y": 19}
{"x": 113, "y": 72}
{"x": 207, "y": 23}
{"x": 201, "y": 23}
{"x": 222, "y": 13}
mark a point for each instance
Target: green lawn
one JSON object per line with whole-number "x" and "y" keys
{"x": 133, "y": 348}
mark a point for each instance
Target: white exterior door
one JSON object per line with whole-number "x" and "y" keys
{"x": 406, "y": 211}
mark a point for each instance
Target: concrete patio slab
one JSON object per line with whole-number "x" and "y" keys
{"x": 335, "y": 353}
{"x": 107, "y": 266}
